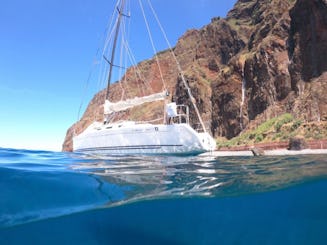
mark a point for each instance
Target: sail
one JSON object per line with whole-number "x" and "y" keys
{"x": 110, "y": 107}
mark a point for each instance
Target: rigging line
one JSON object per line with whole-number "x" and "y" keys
{"x": 109, "y": 37}
{"x": 136, "y": 69}
{"x": 153, "y": 47}
{"x": 114, "y": 47}
{"x": 94, "y": 62}
{"x": 130, "y": 57}
{"x": 107, "y": 42}
{"x": 137, "y": 72}
{"x": 126, "y": 34}
{"x": 121, "y": 60}
{"x": 84, "y": 93}
{"x": 145, "y": 87}
{"x": 123, "y": 77}
{"x": 127, "y": 53}
{"x": 101, "y": 74}
{"x": 179, "y": 69}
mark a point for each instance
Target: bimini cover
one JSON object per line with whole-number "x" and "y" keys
{"x": 171, "y": 109}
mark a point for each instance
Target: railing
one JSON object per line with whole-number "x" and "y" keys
{"x": 183, "y": 115}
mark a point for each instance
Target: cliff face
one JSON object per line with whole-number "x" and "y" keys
{"x": 257, "y": 79}
{"x": 266, "y": 58}
{"x": 308, "y": 56}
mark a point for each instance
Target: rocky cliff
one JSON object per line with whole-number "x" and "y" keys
{"x": 267, "y": 57}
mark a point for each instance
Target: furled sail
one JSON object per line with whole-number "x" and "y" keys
{"x": 110, "y": 107}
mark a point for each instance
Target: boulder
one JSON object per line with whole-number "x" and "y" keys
{"x": 297, "y": 144}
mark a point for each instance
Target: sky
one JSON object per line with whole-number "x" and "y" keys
{"x": 46, "y": 53}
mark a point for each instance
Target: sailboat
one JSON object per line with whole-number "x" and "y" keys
{"x": 173, "y": 136}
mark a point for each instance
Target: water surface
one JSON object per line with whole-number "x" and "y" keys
{"x": 51, "y": 198}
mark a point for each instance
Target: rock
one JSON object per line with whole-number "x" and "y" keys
{"x": 297, "y": 144}
{"x": 307, "y": 55}
{"x": 257, "y": 151}
{"x": 308, "y": 40}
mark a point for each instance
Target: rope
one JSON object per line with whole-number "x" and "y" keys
{"x": 122, "y": 54}
{"x": 153, "y": 47}
{"x": 137, "y": 71}
{"x": 179, "y": 68}
{"x": 94, "y": 63}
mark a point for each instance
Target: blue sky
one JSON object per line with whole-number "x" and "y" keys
{"x": 46, "y": 53}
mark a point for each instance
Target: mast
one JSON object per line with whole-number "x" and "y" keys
{"x": 111, "y": 63}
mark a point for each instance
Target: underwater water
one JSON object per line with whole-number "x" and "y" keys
{"x": 67, "y": 198}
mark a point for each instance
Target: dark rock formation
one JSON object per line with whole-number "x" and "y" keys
{"x": 297, "y": 144}
{"x": 265, "y": 58}
{"x": 307, "y": 54}
{"x": 308, "y": 40}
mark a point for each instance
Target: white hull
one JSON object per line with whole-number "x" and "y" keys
{"x": 131, "y": 138}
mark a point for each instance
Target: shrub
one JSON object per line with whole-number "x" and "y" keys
{"x": 283, "y": 119}
{"x": 259, "y": 138}
{"x": 297, "y": 123}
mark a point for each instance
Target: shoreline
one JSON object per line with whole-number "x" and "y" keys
{"x": 276, "y": 152}
{"x": 314, "y": 147}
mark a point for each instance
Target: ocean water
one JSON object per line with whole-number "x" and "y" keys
{"x": 67, "y": 198}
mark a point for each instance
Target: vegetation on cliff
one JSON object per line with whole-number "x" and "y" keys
{"x": 278, "y": 129}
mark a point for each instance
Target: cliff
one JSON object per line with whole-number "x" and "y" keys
{"x": 266, "y": 58}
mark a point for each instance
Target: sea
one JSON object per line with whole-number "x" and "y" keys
{"x": 68, "y": 198}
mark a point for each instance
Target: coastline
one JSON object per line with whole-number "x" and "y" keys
{"x": 277, "y": 152}
{"x": 314, "y": 147}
